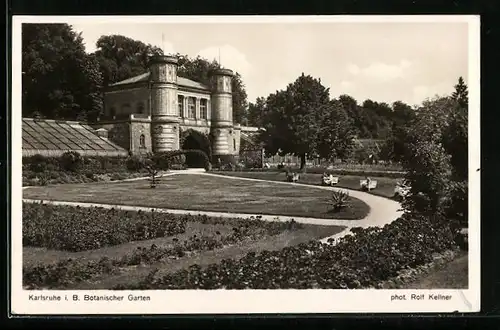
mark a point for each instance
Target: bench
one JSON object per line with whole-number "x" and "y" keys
{"x": 363, "y": 184}
{"x": 329, "y": 180}
{"x": 292, "y": 177}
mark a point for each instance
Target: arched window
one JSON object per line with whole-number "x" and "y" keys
{"x": 140, "y": 108}
{"x": 142, "y": 141}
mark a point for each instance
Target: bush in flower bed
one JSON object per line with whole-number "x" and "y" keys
{"x": 361, "y": 260}
{"x": 65, "y": 272}
{"x": 77, "y": 229}
{"x": 70, "y": 271}
{"x": 71, "y": 167}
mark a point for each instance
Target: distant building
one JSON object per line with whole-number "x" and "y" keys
{"x": 155, "y": 111}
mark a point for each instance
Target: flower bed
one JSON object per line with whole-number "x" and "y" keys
{"x": 78, "y": 229}
{"x": 364, "y": 259}
{"x": 75, "y": 229}
{"x": 74, "y": 270}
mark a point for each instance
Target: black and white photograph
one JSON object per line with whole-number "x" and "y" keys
{"x": 245, "y": 164}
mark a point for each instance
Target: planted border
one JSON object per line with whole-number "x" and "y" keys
{"x": 364, "y": 259}
{"x": 69, "y": 271}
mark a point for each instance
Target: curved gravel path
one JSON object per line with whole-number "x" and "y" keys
{"x": 382, "y": 210}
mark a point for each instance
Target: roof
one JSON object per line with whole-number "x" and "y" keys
{"x": 181, "y": 81}
{"x": 51, "y": 137}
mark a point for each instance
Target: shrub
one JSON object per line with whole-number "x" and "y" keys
{"x": 456, "y": 203}
{"x": 168, "y": 159}
{"x": 201, "y": 154}
{"x": 78, "y": 229}
{"x": 364, "y": 259}
{"x": 340, "y": 200}
{"x": 38, "y": 163}
{"x": 71, "y": 161}
{"x": 135, "y": 163}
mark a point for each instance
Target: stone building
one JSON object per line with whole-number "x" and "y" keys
{"x": 159, "y": 111}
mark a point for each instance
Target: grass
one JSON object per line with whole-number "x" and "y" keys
{"x": 206, "y": 193}
{"x": 385, "y": 186}
{"x": 452, "y": 275}
{"x": 133, "y": 274}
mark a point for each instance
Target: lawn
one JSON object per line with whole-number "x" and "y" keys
{"x": 195, "y": 240}
{"x": 207, "y": 193}
{"x": 452, "y": 275}
{"x": 385, "y": 186}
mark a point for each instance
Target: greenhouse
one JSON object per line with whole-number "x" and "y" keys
{"x": 52, "y": 138}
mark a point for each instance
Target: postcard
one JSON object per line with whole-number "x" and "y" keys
{"x": 245, "y": 164}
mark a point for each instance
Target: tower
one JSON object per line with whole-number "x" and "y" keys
{"x": 164, "y": 108}
{"x": 222, "y": 113}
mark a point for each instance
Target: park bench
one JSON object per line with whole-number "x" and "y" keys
{"x": 401, "y": 190}
{"x": 329, "y": 180}
{"x": 367, "y": 185}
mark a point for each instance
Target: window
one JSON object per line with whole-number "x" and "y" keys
{"x": 142, "y": 141}
{"x": 140, "y": 108}
{"x": 234, "y": 144}
{"x": 191, "y": 107}
{"x": 180, "y": 102}
{"x": 112, "y": 112}
{"x": 203, "y": 108}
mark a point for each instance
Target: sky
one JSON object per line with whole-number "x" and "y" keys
{"x": 383, "y": 61}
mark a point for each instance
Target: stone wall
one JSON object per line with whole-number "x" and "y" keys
{"x": 118, "y": 132}
{"x": 127, "y": 101}
{"x": 137, "y": 129}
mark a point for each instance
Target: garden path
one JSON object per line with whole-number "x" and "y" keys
{"x": 382, "y": 210}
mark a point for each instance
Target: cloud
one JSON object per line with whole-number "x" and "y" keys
{"x": 353, "y": 69}
{"x": 347, "y": 85}
{"x": 423, "y": 92}
{"x": 383, "y": 72}
{"x": 230, "y": 58}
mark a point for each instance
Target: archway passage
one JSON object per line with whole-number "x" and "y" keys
{"x": 194, "y": 140}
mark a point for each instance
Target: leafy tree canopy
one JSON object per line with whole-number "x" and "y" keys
{"x": 302, "y": 120}
{"x": 60, "y": 80}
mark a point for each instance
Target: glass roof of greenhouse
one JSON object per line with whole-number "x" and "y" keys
{"x": 42, "y": 134}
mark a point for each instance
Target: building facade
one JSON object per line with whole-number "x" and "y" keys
{"x": 153, "y": 112}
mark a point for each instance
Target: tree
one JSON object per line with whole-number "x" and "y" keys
{"x": 353, "y": 110}
{"x": 121, "y": 57}
{"x": 256, "y": 112}
{"x": 461, "y": 93}
{"x": 402, "y": 116}
{"x": 60, "y": 81}
{"x": 293, "y": 120}
{"x": 336, "y": 136}
{"x": 435, "y": 157}
{"x": 455, "y": 142}
{"x": 240, "y": 103}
